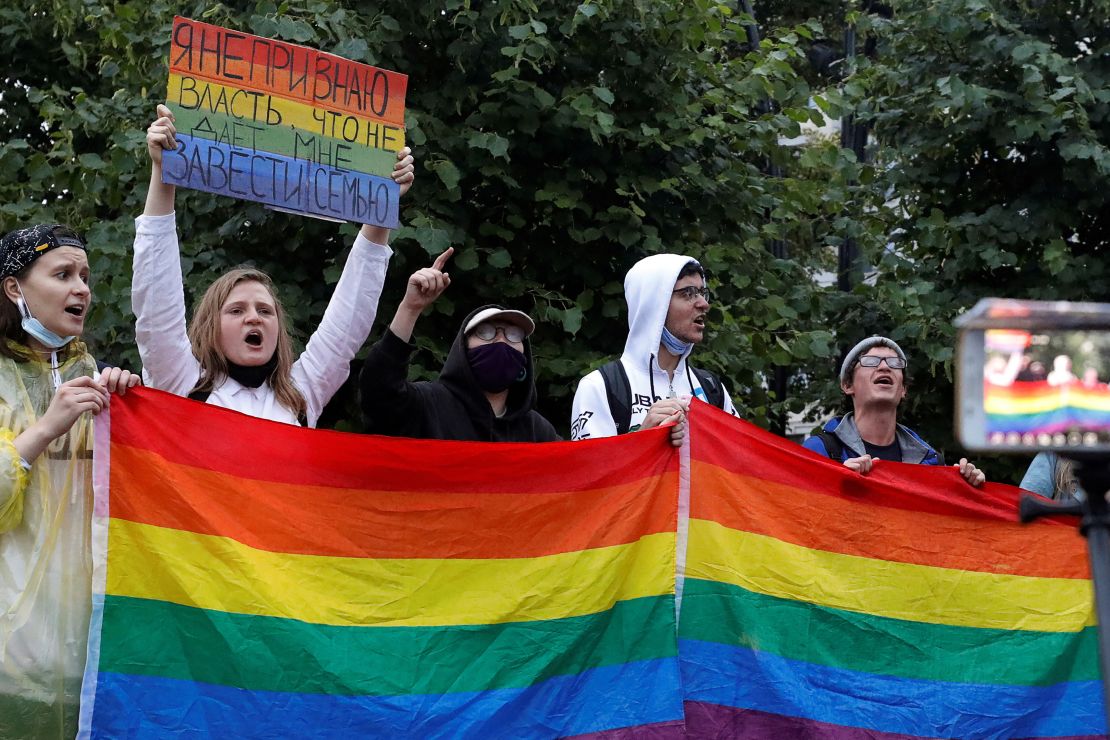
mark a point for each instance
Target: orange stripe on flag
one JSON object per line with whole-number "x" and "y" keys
{"x": 834, "y": 524}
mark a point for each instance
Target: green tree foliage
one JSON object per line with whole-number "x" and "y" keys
{"x": 557, "y": 143}
{"x": 993, "y": 127}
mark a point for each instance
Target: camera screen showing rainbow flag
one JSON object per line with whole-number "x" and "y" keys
{"x": 1047, "y": 388}
{"x": 291, "y": 127}
{"x": 259, "y": 580}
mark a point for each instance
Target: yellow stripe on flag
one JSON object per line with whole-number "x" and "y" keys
{"x": 917, "y": 593}
{"x": 221, "y": 574}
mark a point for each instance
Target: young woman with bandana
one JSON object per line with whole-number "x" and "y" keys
{"x": 486, "y": 391}
{"x": 49, "y": 389}
{"x": 237, "y": 352}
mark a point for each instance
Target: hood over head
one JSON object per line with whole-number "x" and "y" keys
{"x": 647, "y": 289}
{"x": 458, "y": 377}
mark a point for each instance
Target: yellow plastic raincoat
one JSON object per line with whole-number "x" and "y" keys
{"x": 45, "y": 558}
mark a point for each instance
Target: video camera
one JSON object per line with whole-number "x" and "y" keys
{"x": 1032, "y": 376}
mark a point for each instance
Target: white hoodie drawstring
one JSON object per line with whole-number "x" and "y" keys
{"x": 54, "y": 374}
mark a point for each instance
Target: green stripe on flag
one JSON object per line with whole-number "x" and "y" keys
{"x": 727, "y": 614}
{"x": 274, "y": 654}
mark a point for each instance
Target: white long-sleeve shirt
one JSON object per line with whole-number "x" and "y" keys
{"x": 158, "y": 300}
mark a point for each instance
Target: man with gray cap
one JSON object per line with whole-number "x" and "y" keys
{"x": 873, "y": 377}
{"x": 486, "y": 391}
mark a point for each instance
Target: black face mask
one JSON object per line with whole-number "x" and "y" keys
{"x": 496, "y": 366}
{"x": 252, "y": 377}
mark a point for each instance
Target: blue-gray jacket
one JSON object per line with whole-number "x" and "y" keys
{"x": 914, "y": 448}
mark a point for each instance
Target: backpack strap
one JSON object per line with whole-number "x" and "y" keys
{"x": 834, "y": 448}
{"x": 619, "y": 392}
{"x": 711, "y": 384}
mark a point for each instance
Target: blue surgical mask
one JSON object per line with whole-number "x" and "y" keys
{"x": 36, "y": 330}
{"x": 673, "y": 344}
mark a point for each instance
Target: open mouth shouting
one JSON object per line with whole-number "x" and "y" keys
{"x": 76, "y": 309}
{"x": 884, "y": 380}
{"x": 253, "y": 338}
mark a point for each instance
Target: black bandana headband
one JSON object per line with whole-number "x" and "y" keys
{"x": 23, "y": 246}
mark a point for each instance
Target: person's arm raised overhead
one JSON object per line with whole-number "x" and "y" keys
{"x": 326, "y": 361}
{"x": 424, "y": 287}
{"x": 385, "y": 390}
{"x": 161, "y": 136}
{"x": 157, "y": 286}
{"x": 404, "y": 174}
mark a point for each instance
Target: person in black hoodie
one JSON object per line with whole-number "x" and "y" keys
{"x": 486, "y": 390}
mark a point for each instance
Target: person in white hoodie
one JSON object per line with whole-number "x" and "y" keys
{"x": 652, "y": 383}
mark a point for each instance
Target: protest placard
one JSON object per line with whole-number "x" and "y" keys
{"x": 294, "y": 128}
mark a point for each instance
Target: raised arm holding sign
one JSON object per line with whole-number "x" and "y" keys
{"x": 237, "y": 352}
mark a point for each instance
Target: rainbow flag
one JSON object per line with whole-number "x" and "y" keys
{"x": 818, "y": 603}
{"x": 1037, "y": 407}
{"x": 254, "y": 579}
{"x": 260, "y": 580}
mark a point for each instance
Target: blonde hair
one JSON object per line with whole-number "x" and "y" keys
{"x": 1064, "y": 479}
{"x": 204, "y": 335}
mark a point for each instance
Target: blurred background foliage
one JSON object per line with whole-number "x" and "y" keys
{"x": 557, "y": 143}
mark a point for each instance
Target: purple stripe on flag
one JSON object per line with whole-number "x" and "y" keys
{"x": 716, "y": 722}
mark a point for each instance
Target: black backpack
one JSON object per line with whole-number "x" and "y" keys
{"x": 619, "y": 392}
{"x": 834, "y": 448}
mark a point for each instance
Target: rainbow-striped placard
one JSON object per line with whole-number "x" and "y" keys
{"x": 294, "y": 128}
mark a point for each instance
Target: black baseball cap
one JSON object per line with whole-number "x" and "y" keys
{"x": 21, "y": 247}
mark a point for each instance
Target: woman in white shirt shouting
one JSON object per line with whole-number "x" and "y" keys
{"x": 237, "y": 352}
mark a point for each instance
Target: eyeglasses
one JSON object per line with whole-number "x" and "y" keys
{"x": 691, "y": 292}
{"x": 487, "y": 332}
{"x": 894, "y": 363}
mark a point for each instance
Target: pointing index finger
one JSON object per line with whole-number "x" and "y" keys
{"x": 441, "y": 260}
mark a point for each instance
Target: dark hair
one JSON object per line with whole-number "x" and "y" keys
{"x": 11, "y": 323}
{"x": 691, "y": 268}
